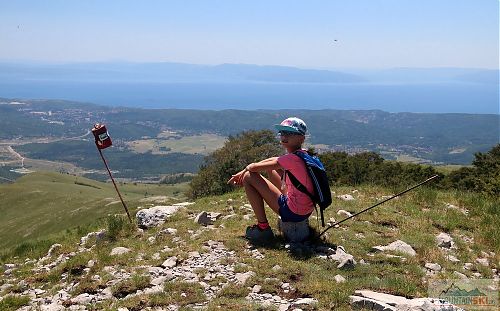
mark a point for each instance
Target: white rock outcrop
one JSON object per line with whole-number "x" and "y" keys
{"x": 397, "y": 246}
{"x": 155, "y": 216}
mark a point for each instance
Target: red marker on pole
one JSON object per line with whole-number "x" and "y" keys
{"x": 103, "y": 141}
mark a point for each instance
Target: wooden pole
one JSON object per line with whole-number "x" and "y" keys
{"x": 114, "y": 184}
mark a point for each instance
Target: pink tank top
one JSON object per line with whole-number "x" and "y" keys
{"x": 298, "y": 202}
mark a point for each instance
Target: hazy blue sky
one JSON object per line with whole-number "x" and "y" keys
{"x": 370, "y": 33}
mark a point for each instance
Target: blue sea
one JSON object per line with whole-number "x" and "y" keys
{"x": 430, "y": 97}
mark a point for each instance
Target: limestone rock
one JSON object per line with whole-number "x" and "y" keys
{"x": 366, "y": 299}
{"x": 305, "y": 301}
{"x": 339, "y": 279}
{"x": 433, "y": 266}
{"x": 346, "y": 197}
{"x": 444, "y": 240}
{"x": 344, "y": 213}
{"x": 363, "y": 303}
{"x": 203, "y": 219}
{"x": 119, "y": 251}
{"x": 170, "y": 262}
{"x": 397, "y": 246}
{"x": 155, "y": 216}
{"x": 92, "y": 236}
{"x": 242, "y": 278}
{"x": 294, "y": 231}
{"x": 483, "y": 261}
{"x": 345, "y": 261}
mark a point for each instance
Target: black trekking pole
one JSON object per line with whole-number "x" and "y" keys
{"x": 382, "y": 202}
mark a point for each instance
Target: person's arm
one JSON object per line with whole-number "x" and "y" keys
{"x": 264, "y": 165}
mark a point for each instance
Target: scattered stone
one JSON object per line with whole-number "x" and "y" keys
{"x": 151, "y": 240}
{"x": 94, "y": 236}
{"x": 433, "y": 267}
{"x": 345, "y": 261}
{"x": 369, "y": 300}
{"x": 468, "y": 265}
{"x": 345, "y": 197}
{"x": 483, "y": 261}
{"x": 155, "y": 216}
{"x": 203, "y": 219}
{"x": 119, "y": 251}
{"x": 462, "y": 210}
{"x": 159, "y": 280}
{"x": 305, "y": 301}
{"x": 183, "y": 204}
{"x": 83, "y": 299}
{"x": 452, "y": 258}
{"x": 170, "y": 262}
{"x": 54, "y": 248}
{"x": 344, "y": 213}
{"x": 339, "y": 279}
{"x": 90, "y": 263}
{"x": 256, "y": 289}
{"x": 397, "y": 246}
{"x": 460, "y": 275}
{"x": 241, "y": 278}
{"x": 444, "y": 240}
{"x": 276, "y": 268}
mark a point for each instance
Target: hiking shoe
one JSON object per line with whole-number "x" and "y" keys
{"x": 256, "y": 234}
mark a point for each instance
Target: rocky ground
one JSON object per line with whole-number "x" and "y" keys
{"x": 157, "y": 267}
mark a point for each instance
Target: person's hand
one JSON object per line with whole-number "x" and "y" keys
{"x": 237, "y": 179}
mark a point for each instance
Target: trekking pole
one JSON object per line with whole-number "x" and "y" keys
{"x": 388, "y": 199}
{"x": 102, "y": 141}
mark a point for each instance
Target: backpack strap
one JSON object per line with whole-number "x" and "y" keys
{"x": 297, "y": 184}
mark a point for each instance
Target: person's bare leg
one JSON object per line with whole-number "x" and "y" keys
{"x": 258, "y": 190}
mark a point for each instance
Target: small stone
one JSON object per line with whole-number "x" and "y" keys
{"x": 344, "y": 213}
{"x": 460, "y": 275}
{"x": 468, "y": 265}
{"x": 203, "y": 219}
{"x": 346, "y": 197}
{"x": 91, "y": 263}
{"x": 159, "y": 280}
{"x": 397, "y": 246}
{"x": 241, "y": 278}
{"x": 433, "y": 267}
{"x": 256, "y": 289}
{"x": 483, "y": 261}
{"x": 151, "y": 240}
{"x": 306, "y": 301}
{"x": 444, "y": 240}
{"x": 170, "y": 262}
{"x": 119, "y": 251}
{"x": 276, "y": 268}
{"x": 452, "y": 258}
{"x": 339, "y": 279}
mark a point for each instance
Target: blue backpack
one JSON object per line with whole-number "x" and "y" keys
{"x": 322, "y": 196}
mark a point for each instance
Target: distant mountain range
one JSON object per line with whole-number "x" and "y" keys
{"x": 190, "y": 73}
{"x": 249, "y": 87}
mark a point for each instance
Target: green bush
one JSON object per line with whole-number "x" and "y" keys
{"x": 483, "y": 176}
{"x": 237, "y": 152}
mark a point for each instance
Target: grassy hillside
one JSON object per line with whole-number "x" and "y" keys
{"x": 55, "y": 202}
{"x": 43, "y": 204}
